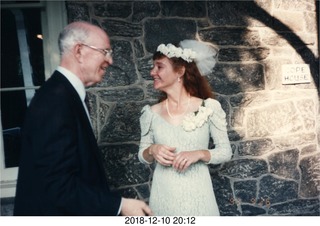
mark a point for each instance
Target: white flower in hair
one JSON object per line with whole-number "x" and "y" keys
{"x": 190, "y": 53}
{"x": 172, "y": 51}
{"x": 161, "y": 48}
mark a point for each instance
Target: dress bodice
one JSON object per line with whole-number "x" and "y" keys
{"x": 192, "y": 134}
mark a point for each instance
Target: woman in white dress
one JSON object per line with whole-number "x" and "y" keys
{"x": 175, "y": 132}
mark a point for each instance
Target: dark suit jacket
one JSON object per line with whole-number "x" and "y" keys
{"x": 61, "y": 170}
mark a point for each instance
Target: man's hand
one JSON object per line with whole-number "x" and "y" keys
{"x": 134, "y": 207}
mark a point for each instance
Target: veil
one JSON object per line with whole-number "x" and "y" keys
{"x": 205, "y": 55}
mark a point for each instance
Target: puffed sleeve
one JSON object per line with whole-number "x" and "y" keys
{"x": 222, "y": 151}
{"x": 146, "y": 133}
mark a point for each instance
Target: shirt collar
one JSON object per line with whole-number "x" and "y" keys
{"x": 74, "y": 80}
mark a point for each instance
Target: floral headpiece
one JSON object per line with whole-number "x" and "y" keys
{"x": 203, "y": 54}
{"x": 172, "y": 51}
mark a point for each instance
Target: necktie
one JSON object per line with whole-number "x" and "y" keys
{"x": 86, "y": 104}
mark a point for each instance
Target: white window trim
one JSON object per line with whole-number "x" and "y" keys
{"x": 54, "y": 19}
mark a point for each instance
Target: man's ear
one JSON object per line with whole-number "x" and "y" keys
{"x": 77, "y": 52}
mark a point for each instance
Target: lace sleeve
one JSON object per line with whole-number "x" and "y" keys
{"x": 146, "y": 133}
{"x": 222, "y": 151}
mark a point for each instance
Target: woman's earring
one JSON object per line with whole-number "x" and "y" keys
{"x": 179, "y": 79}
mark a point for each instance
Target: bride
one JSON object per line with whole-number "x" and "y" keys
{"x": 175, "y": 132}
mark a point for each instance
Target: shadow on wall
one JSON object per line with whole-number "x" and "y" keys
{"x": 288, "y": 34}
{"x": 232, "y": 79}
{"x": 226, "y": 13}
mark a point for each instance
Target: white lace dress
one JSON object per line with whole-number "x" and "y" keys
{"x": 189, "y": 193}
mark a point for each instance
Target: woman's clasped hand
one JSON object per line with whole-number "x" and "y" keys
{"x": 166, "y": 156}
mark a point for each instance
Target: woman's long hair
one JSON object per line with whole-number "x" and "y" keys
{"x": 195, "y": 84}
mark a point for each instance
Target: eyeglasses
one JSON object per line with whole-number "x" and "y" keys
{"x": 105, "y": 52}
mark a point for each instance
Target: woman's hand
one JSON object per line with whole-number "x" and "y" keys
{"x": 185, "y": 159}
{"x": 162, "y": 153}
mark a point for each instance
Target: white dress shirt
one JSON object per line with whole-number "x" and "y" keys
{"x": 77, "y": 84}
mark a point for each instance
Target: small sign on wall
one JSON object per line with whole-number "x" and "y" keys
{"x": 295, "y": 74}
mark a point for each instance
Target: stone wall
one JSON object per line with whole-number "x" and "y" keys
{"x": 274, "y": 129}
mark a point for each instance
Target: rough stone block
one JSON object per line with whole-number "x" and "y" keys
{"x": 235, "y": 78}
{"x": 310, "y": 176}
{"x": 301, "y": 207}
{"x": 230, "y": 36}
{"x": 275, "y": 119}
{"x": 285, "y": 164}
{"x": 243, "y": 54}
{"x": 112, "y": 9}
{"x": 194, "y": 9}
{"x": 245, "y": 168}
{"x": 249, "y": 210}
{"x": 277, "y": 190}
{"x": 122, "y": 28}
{"x": 123, "y": 123}
{"x": 122, "y": 72}
{"x": 235, "y": 13}
{"x": 122, "y": 165}
{"x": 144, "y": 9}
{"x": 115, "y": 95}
{"x": 245, "y": 191}
{"x": 256, "y": 147}
{"x": 77, "y": 11}
{"x": 166, "y": 31}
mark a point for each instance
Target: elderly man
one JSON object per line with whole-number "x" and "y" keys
{"x": 61, "y": 171}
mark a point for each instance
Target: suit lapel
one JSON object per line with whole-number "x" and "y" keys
{"x": 85, "y": 123}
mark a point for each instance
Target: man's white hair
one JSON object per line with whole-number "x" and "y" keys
{"x": 72, "y": 34}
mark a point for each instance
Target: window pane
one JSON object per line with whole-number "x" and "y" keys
{"x": 11, "y": 73}
{"x": 22, "y": 66}
{"x": 18, "y": 2}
